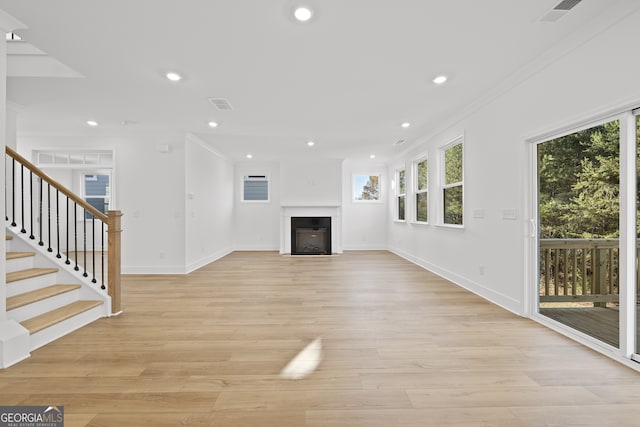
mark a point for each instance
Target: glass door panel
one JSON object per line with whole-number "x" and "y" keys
{"x": 637, "y": 281}
{"x": 579, "y": 210}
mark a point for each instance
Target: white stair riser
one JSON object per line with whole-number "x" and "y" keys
{"x": 39, "y": 307}
{"x": 27, "y": 285}
{"x": 18, "y": 264}
{"x": 58, "y": 330}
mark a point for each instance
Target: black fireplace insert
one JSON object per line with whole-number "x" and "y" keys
{"x": 310, "y": 235}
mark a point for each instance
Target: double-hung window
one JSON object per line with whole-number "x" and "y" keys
{"x": 96, "y": 190}
{"x": 421, "y": 190}
{"x": 452, "y": 183}
{"x": 401, "y": 193}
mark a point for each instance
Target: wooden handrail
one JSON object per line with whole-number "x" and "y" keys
{"x": 36, "y": 171}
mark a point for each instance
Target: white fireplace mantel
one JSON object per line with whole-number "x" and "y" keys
{"x": 309, "y": 210}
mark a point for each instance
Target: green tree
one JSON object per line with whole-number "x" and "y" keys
{"x": 371, "y": 190}
{"x": 579, "y": 184}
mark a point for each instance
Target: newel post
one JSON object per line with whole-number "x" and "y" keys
{"x": 114, "y": 231}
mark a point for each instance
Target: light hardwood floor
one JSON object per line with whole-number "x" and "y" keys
{"x": 401, "y": 347}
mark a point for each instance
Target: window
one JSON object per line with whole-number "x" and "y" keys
{"x": 255, "y": 188}
{"x": 400, "y": 194}
{"x": 452, "y": 183}
{"x": 366, "y": 188}
{"x": 96, "y": 192}
{"x": 420, "y": 185}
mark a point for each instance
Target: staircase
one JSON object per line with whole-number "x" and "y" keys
{"x": 62, "y": 261}
{"x": 46, "y": 298}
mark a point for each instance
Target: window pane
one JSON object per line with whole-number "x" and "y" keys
{"x": 421, "y": 207}
{"x": 100, "y": 203}
{"x": 366, "y": 187}
{"x": 96, "y": 185}
{"x": 256, "y": 189}
{"x": 401, "y": 208}
{"x": 422, "y": 175}
{"x": 453, "y": 164}
{"x": 579, "y": 211}
{"x": 401, "y": 182}
{"x": 453, "y": 205}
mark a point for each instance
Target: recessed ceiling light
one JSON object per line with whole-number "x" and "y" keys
{"x": 92, "y": 123}
{"x": 213, "y": 124}
{"x": 405, "y": 125}
{"x": 174, "y": 77}
{"x": 303, "y": 13}
{"x": 311, "y": 143}
{"x": 373, "y": 156}
{"x": 440, "y": 79}
{"x": 249, "y": 156}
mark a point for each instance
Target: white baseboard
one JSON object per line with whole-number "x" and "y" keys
{"x": 504, "y": 301}
{"x": 366, "y": 247}
{"x": 207, "y": 260}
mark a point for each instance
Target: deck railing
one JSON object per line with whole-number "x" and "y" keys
{"x": 71, "y": 229}
{"x": 579, "y": 270}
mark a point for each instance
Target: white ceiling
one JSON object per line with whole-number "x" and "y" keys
{"x": 347, "y": 80}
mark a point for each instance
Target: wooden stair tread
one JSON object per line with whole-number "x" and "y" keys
{"x": 50, "y": 318}
{"x": 16, "y": 255}
{"x": 29, "y": 273}
{"x": 26, "y": 298}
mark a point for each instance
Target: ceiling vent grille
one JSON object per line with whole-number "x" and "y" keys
{"x": 567, "y": 4}
{"x": 399, "y": 142}
{"x": 560, "y": 10}
{"x": 221, "y": 103}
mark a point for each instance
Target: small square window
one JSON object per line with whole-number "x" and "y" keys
{"x": 366, "y": 188}
{"x": 255, "y": 188}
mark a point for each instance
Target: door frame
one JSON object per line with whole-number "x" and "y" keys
{"x": 626, "y": 114}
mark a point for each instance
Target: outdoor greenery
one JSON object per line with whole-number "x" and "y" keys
{"x": 401, "y": 194}
{"x": 579, "y": 187}
{"x": 453, "y": 194}
{"x": 371, "y": 189}
{"x": 422, "y": 211}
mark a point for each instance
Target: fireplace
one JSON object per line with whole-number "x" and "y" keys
{"x": 310, "y": 235}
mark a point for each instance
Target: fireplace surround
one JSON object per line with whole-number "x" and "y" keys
{"x": 289, "y": 211}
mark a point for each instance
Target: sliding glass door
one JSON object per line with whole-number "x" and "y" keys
{"x": 578, "y": 177}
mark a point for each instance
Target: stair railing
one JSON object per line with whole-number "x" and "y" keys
{"x": 51, "y": 214}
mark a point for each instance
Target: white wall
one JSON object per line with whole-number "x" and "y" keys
{"x": 364, "y": 224}
{"x": 257, "y": 224}
{"x": 209, "y": 204}
{"x": 305, "y": 182}
{"x": 488, "y": 255}
{"x": 150, "y": 191}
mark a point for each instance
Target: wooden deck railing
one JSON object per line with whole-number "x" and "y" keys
{"x": 55, "y": 217}
{"x": 580, "y": 270}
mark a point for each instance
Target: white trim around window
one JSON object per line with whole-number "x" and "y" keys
{"x": 451, "y": 184}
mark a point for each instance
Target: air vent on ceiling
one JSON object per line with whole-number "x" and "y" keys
{"x": 567, "y": 4}
{"x": 221, "y": 103}
{"x": 560, "y": 10}
{"x": 399, "y": 142}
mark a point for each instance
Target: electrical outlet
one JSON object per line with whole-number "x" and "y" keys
{"x": 510, "y": 213}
